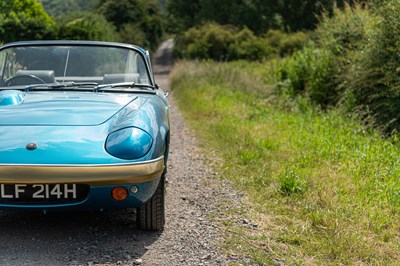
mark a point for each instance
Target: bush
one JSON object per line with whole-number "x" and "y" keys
{"x": 285, "y": 44}
{"x": 375, "y": 78}
{"x": 222, "y": 42}
{"x": 246, "y": 45}
{"x": 210, "y": 41}
{"x": 293, "y": 42}
{"x": 309, "y": 73}
{"x": 321, "y": 70}
{"x": 345, "y": 31}
{"x": 227, "y": 43}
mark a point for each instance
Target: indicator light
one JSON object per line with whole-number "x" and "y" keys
{"x": 119, "y": 193}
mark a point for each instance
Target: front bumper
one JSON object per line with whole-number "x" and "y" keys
{"x": 100, "y": 178}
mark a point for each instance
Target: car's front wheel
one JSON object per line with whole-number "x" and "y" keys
{"x": 151, "y": 216}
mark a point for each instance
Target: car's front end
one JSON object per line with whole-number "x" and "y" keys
{"x": 95, "y": 137}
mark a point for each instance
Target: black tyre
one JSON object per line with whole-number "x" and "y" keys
{"x": 151, "y": 216}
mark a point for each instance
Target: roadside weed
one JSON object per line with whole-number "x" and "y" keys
{"x": 290, "y": 183}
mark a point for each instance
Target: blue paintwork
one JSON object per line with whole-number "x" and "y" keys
{"x": 75, "y": 108}
{"x": 83, "y": 141}
{"x": 71, "y": 127}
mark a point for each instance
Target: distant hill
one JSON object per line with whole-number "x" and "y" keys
{"x": 60, "y": 7}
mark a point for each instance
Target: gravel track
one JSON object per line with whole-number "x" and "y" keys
{"x": 111, "y": 238}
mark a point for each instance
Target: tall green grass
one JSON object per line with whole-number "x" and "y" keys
{"x": 322, "y": 189}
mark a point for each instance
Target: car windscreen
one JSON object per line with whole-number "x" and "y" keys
{"x": 27, "y": 65}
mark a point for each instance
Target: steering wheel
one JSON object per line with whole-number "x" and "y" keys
{"x": 23, "y": 80}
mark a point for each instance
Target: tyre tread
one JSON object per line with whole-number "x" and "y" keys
{"x": 151, "y": 216}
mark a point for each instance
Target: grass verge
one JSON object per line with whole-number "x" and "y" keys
{"x": 320, "y": 189}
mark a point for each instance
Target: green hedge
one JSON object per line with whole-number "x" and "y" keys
{"x": 228, "y": 43}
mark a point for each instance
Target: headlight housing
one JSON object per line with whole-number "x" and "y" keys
{"x": 128, "y": 143}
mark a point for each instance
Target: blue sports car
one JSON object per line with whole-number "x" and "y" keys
{"x": 83, "y": 125}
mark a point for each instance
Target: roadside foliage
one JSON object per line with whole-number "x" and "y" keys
{"x": 352, "y": 64}
{"x": 229, "y": 43}
{"x": 319, "y": 188}
{"x": 312, "y": 139}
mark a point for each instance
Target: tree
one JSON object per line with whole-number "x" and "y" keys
{"x": 257, "y": 15}
{"x": 135, "y": 16}
{"x": 57, "y": 8}
{"x": 183, "y": 14}
{"x": 303, "y": 15}
{"x": 24, "y": 20}
{"x": 86, "y": 26}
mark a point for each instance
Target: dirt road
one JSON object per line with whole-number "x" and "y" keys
{"x": 111, "y": 238}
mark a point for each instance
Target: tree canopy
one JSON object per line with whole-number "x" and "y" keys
{"x": 134, "y": 19}
{"x": 257, "y": 15}
{"x": 144, "y": 22}
{"x": 85, "y": 26}
{"x": 62, "y": 7}
{"x": 24, "y": 20}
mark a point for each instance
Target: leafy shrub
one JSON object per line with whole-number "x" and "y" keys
{"x": 322, "y": 83}
{"x": 210, "y": 41}
{"x": 309, "y": 72}
{"x": 293, "y": 42}
{"x": 285, "y": 44}
{"x": 295, "y": 71}
{"x": 375, "y": 78}
{"x": 345, "y": 31}
{"x": 224, "y": 42}
{"x": 219, "y": 42}
{"x": 320, "y": 70}
{"x": 246, "y": 45}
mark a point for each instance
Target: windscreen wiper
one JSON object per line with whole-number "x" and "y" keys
{"x": 127, "y": 85}
{"x": 59, "y": 85}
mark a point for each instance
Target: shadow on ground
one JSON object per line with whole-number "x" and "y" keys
{"x": 62, "y": 238}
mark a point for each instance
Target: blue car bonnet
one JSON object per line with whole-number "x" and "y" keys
{"x": 59, "y": 108}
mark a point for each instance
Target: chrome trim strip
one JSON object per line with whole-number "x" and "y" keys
{"x": 79, "y": 165}
{"x": 94, "y": 175}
